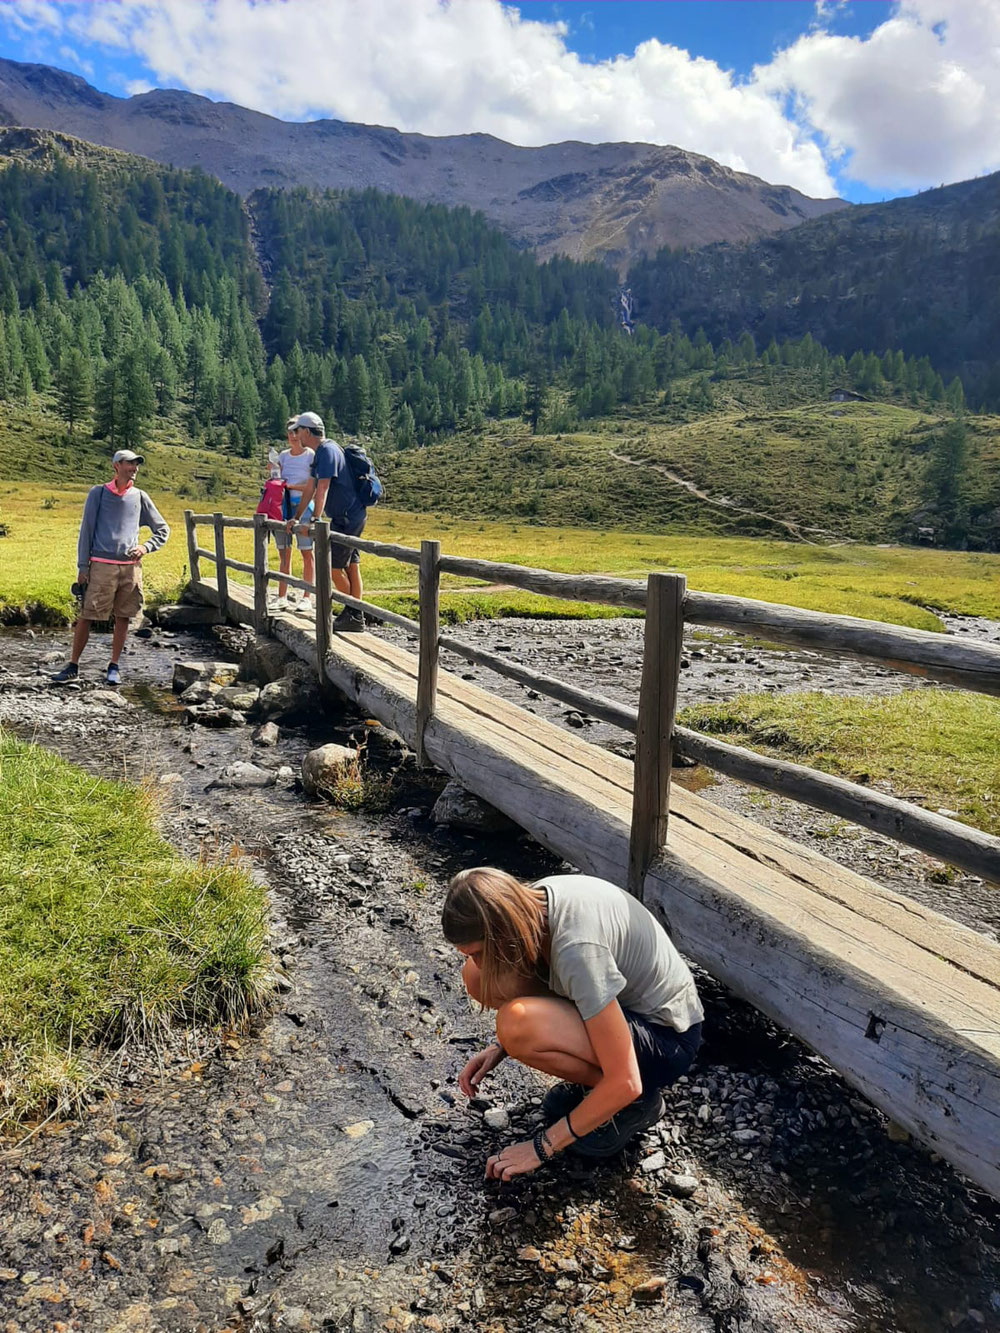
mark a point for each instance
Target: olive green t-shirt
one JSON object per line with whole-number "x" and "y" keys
{"x": 604, "y": 945}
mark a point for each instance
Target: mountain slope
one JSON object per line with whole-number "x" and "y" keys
{"x": 921, "y": 274}
{"x": 608, "y": 201}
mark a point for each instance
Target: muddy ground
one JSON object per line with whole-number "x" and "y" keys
{"x": 322, "y": 1172}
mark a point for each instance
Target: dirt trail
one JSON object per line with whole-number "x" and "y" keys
{"x": 795, "y": 530}
{"x": 323, "y": 1172}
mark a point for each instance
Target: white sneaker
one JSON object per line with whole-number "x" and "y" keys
{"x": 281, "y": 604}
{"x": 305, "y": 602}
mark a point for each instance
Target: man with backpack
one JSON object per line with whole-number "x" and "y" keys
{"x": 341, "y": 487}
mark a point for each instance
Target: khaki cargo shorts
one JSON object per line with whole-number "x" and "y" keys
{"x": 113, "y": 590}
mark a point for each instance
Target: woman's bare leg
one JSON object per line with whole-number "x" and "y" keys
{"x": 548, "y": 1034}
{"x": 284, "y": 565}
{"x": 539, "y": 1029}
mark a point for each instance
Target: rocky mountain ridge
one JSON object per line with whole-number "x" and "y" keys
{"x": 614, "y": 202}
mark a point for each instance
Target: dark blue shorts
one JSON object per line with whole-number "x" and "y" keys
{"x": 342, "y": 556}
{"x": 663, "y": 1054}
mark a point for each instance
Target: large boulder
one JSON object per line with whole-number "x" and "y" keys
{"x": 325, "y": 768}
{"x": 265, "y": 660}
{"x": 459, "y": 809}
{"x": 186, "y": 673}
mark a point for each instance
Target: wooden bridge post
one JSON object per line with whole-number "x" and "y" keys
{"x": 661, "y": 664}
{"x": 221, "y": 572}
{"x": 259, "y": 573}
{"x": 321, "y": 543}
{"x": 429, "y": 593}
{"x": 192, "y": 543}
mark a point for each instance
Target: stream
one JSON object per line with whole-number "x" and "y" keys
{"x": 322, "y": 1172}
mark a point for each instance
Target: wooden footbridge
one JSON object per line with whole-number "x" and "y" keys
{"x": 902, "y": 1001}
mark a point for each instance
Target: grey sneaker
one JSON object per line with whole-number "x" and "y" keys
{"x": 114, "y": 676}
{"x": 69, "y": 672}
{"x": 349, "y": 622}
{"x": 611, "y": 1138}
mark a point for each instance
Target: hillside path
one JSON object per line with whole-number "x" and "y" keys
{"x": 795, "y": 530}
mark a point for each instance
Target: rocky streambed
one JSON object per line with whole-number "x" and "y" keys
{"x": 323, "y": 1172}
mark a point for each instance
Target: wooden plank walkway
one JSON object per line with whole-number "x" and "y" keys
{"x": 903, "y": 1002}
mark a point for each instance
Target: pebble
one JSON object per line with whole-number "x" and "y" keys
{"x": 218, "y": 1232}
{"x": 656, "y": 1161}
{"x": 359, "y": 1129}
{"x": 681, "y": 1186}
{"x": 497, "y": 1117}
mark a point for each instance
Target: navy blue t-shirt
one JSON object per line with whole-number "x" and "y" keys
{"x": 342, "y": 507}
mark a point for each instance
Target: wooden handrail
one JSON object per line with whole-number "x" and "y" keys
{"x": 974, "y": 665}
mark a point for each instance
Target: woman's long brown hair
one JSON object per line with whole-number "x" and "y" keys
{"x": 488, "y": 906}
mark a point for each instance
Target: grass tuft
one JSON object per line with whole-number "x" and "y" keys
{"x": 107, "y": 937}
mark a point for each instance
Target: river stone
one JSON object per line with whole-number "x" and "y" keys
{"x": 385, "y": 746}
{"x": 497, "y": 1117}
{"x": 239, "y": 696}
{"x": 681, "y": 1186}
{"x": 322, "y": 767}
{"x": 280, "y": 697}
{"x": 186, "y": 673}
{"x": 199, "y": 693}
{"x": 264, "y": 660}
{"x": 266, "y": 735}
{"x": 458, "y": 808}
{"x": 174, "y": 617}
{"x": 210, "y": 715}
{"x": 242, "y": 774}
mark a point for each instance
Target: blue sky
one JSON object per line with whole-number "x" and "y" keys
{"x": 864, "y": 98}
{"x": 736, "y": 34}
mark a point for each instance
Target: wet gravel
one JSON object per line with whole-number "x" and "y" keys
{"x": 322, "y": 1172}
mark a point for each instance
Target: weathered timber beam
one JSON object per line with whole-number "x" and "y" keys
{"x": 945, "y": 657}
{"x": 961, "y": 845}
{"x": 938, "y": 1079}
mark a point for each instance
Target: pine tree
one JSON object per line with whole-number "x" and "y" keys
{"x": 74, "y": 387}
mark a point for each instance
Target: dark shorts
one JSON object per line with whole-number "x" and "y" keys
{"x": 663, "y": 1054}
{"x": 342, "y": 556}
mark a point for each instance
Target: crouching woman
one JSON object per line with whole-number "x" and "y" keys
{"x": 587, "y": 986}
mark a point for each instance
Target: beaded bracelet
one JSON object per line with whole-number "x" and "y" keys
{"x": 540, "y": 1152}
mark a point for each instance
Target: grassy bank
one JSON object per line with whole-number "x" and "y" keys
{"x": 893, "y": 584}
{"x": 939, "y": 748}
{"x": 107, "y": 937}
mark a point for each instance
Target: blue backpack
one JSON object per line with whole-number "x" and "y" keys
{"x": 366, "y": 483}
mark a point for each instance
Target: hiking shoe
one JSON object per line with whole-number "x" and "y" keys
{"x": 561, "y": 1099}
{"x": 349, "y": 622}
{"x": 69, "y": 672}
{"x": 114, "y": 676}
{"x": 609, "y": 1139}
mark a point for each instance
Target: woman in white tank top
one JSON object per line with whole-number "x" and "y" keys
{"x": 295, "y": 468}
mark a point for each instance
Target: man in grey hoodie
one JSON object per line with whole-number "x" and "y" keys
{"x": 109, "y": 559}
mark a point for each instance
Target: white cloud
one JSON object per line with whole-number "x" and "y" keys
{"x": 449, "y": 68}
{"x": 913, "y": 104}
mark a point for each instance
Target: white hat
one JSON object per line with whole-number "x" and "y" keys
{"x": 311, "y": 421}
